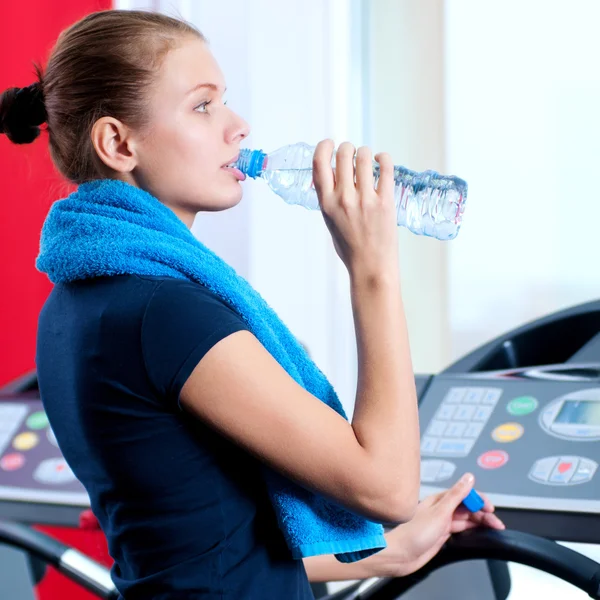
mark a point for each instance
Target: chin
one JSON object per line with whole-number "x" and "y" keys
{"x": 223, "y": 203}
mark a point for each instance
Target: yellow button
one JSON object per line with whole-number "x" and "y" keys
{"x": 509, "y": 432}
{"x": 26, "y": 441}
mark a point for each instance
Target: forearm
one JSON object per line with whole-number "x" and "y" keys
{"x": 385, "y": 420}
{"x": 327, "y": 567}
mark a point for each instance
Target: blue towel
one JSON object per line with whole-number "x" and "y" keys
{"x": 108, "y": 227}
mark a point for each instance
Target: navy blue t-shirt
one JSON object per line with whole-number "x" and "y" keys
{"x": 185, "y": 511}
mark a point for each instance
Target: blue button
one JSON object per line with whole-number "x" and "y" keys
{"x": 474, "y": 502}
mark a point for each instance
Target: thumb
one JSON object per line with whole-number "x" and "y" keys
{"x": 459, "y": 491}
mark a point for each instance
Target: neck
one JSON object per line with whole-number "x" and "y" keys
{"x": 182, "y": 214}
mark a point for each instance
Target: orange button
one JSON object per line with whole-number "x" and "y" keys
{"x": 509, "y": 432}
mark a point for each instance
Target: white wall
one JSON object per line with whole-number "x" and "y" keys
{"x": 523, "y": 124}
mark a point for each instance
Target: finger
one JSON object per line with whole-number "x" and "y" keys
{"x": 432, "y": 499}
{"x": 458, "y": 526}
{"x": 323, "y": 177}
{"x": 364, "y": 170}
{"x": 385, "y": 185}
{"x": 344, "y": 166}
{"x": 488, "y": 506}
{"x": 462, "y": 513}
{"x": 492, "y": 521}
{"x": 458, "y": 492}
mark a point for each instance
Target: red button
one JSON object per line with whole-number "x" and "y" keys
{"x": 492, "y": 459}
{"x": 12, "y": 462}
{"x": 564, "y": 467}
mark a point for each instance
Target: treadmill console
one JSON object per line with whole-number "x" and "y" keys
{"x": 522, "y": 413}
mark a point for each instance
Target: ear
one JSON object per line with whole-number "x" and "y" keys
{"x": 114, "y": 145}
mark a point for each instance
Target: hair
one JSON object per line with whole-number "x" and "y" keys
{"x": 103, "y": 65}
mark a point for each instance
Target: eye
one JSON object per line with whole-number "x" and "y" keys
{"x": 203, "y": 106}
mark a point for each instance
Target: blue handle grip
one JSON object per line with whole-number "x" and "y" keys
{"x": 474, "y": 502}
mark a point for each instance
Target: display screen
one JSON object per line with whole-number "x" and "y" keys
{"x": 579, "y": 412}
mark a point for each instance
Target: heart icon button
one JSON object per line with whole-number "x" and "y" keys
{"x": 564, "y": 467}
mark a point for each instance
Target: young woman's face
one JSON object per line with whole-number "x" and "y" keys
{"x": 192, "y": 135}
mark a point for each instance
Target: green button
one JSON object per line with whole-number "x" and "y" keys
{"x": 37, "y": 420}
{"x": 523, "y": 405}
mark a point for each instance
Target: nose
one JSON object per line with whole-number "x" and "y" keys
{"x": 238, "y": 130}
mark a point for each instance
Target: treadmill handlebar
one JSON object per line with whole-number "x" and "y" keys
{"x": 508, "y": 545}
{"x": 76, "y": 566}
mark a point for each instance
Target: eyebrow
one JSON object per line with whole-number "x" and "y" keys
{"x": 212, "y": 86}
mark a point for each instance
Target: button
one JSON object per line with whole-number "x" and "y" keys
{"x": 542, "y": 468}
{"x": 509, "y": 432}
{"x": 483, "y": 413}
{"x": 52, "y": 437}
{"x": 474, "y": 396}
{"x": 455, "y": 395}
{"x": 464, "y": 413}
{"x": 437, "y": 428}
{"x": 564, "y": 470}
{"x": 491, "y": 396}
{"x": 54, "y": 471}
{"x": 26, "y": 441}
{"x": 523, "y": 405}
{"x": 429, "y": 444}
{"x": 454, "y": 447}
{"x": 455, "y": 429}
{"x": 587, "y": 465}
{"x": 446, "y": 470}
{"x": 473, "y": 430}
{"x": 493, "y": 459}
{"x": 37, "y": 420}
{"x": 445, "y": 412}
{"x": 12, "y": 462}
{"x": 429, "y": 470}
{"x": 585, "y": 471}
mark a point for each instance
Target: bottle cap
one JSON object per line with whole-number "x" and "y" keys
{"x": 251, "y": 162}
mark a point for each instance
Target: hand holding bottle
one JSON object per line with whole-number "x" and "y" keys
{"x": 360, "y": 218}
{"x": 426, "y": 203}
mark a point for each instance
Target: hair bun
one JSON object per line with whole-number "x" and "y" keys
{"x": 22, "y": 111}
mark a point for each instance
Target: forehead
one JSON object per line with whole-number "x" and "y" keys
{"x": 187, "y": 65}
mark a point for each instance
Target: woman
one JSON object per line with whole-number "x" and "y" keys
{"x": 164, "y": 392}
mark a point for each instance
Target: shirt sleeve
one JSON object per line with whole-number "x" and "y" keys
{"x": 182, "y": 322}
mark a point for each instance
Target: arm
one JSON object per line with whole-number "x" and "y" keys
{"x": 411, "y": 545}
{"x": 327, "y": 567}
{"x": 386, "y": 418}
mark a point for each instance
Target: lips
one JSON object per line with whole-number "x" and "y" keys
{"x": 231, "y": 163}
{"x": 235, "y": 172}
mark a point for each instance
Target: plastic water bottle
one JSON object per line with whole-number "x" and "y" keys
{"x": 426, "y": 203}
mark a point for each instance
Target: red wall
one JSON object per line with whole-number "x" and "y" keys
{"x": 28, "y": 181}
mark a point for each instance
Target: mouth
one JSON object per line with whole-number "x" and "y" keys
{"x": 229, "y": 166}
{"x": 231, "y": 163}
